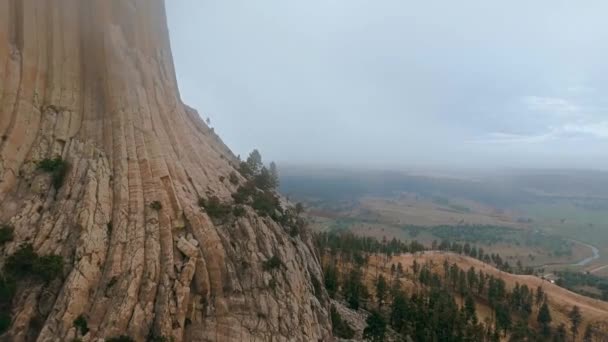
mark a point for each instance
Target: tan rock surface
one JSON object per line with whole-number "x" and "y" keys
{"x": 93, "y": 82}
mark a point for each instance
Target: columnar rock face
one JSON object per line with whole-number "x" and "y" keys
{"x": 92, "y": 82}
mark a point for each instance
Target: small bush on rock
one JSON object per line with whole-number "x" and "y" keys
{"x": 58, "y": 169}
{"x": 339, "y": 327}
{"x": 244, "y": 193}
{"x": 238, "y": 211}
{"x": 6, "y": 234}
{"x": 21, "y": 263}
{"x": 266, "y": 203}
{"x": 81, "y": 325}
{"x": 48, "y": 267}
{"x": 26, "y": 263}
{"x": 214, "y": 207}
{"x": 156, "y": 205}
{"x": 5, "y": 321}
{"x": 233, "y": 178}
{"x": 272, "y": 263}
{"x": 154, "y": 338}
{"x": 121, "y": 338}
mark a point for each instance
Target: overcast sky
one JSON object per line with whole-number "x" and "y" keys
{"x": 398, "y": 82}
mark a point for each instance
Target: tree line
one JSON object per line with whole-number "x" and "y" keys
{"x": 442, "y": 306}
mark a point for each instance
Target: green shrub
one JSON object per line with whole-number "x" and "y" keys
{"x": 299, "y": 208}
{"x": 272, "y": 263}
{"x": 50, "y": 165}
{"x": 8, "y": 287}
{"x": 272, "y": 283}
{"x": 21, "y": 263}
{"x": 265, "y": 203}
{"x": 263, "y": 179}
{"x": 233, "y": 178}
{"x": 5, "y": 321}
{"x": 245, "y": 170}
{"x": 6, "y": 234}
{"x": 292, "y": 222}
{"x": 81, "y": 325}
{"x": 26, "y": 263}
{"x": 58, "y": 169}
{"x": 238, "y": 211}
{"x": 154, "y": 338}
{"x": 156, "y": 205}
{"x": 214, "y": 207}
{"x": 339, "y": 327}
{"x": 243, "y": 193}
{"x": 48, "y": 267}
{"x": 112, "y": 282}
{"x": 121, "y": 338}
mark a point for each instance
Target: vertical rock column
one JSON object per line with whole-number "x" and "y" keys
{"x": 92, "y": 82}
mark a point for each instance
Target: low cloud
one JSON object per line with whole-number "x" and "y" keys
{"x": 566, "y": 132}
{"x": 556, "y": 106}
{"x": 481, "y": 83}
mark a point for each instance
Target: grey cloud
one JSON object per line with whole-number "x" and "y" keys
{"x": 399, "y": 82}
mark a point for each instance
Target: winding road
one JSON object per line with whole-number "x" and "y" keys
{"x": 584, "y": 262}
{"x": 587, "y": 261}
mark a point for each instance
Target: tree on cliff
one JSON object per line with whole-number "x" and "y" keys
{"x": 381, "y": 289}
{"x": 274, "y": 175}
{"x": 254, "y": 161}
{"x": 376, "y": 328}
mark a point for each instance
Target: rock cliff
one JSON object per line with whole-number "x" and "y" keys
{"x": 92, "y": 82}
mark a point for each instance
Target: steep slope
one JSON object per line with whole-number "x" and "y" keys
{"x": 93, "y": 82}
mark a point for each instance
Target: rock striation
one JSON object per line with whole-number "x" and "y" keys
{"x": 93, "y": 82}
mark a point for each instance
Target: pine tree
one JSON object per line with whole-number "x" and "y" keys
{"x": 462, "y": 282}
{"x": 522, "y": 332}
{"x": 354, "y": 290}
{"x": 339, "y": 327}
{"x": 482, "y": 282}
{"x": 472, "y": 277}
{"x": 399, "y": 312}
{"x": 503, "y": 318}
{"x": 299, "y": 208}
{"x": 588, "y": 337}
{"x": 274, "y": 175}
{"x": 575, "y": 320}
{"x": 254, "y": 161}
{"x": 540, "y": 294}
{"x": 331, "y": 280}
{"x": 544, "y": 319}
{"x": 469, "y": 307}
{"x": 376, "y": 328}
{"x": 381, "y": 290}
{"x": 560, "y": 333}
{"x": 263, "y": 179}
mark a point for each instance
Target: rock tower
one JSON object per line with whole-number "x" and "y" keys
{"x": 92, "y": 83}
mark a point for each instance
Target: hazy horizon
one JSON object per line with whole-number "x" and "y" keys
{"x": 399, "y": 84}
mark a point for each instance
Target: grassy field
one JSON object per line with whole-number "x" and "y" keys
{"x": 551, "y": 208}
{"x": 567, "y": 219}
{"x": 413, "y": 217}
